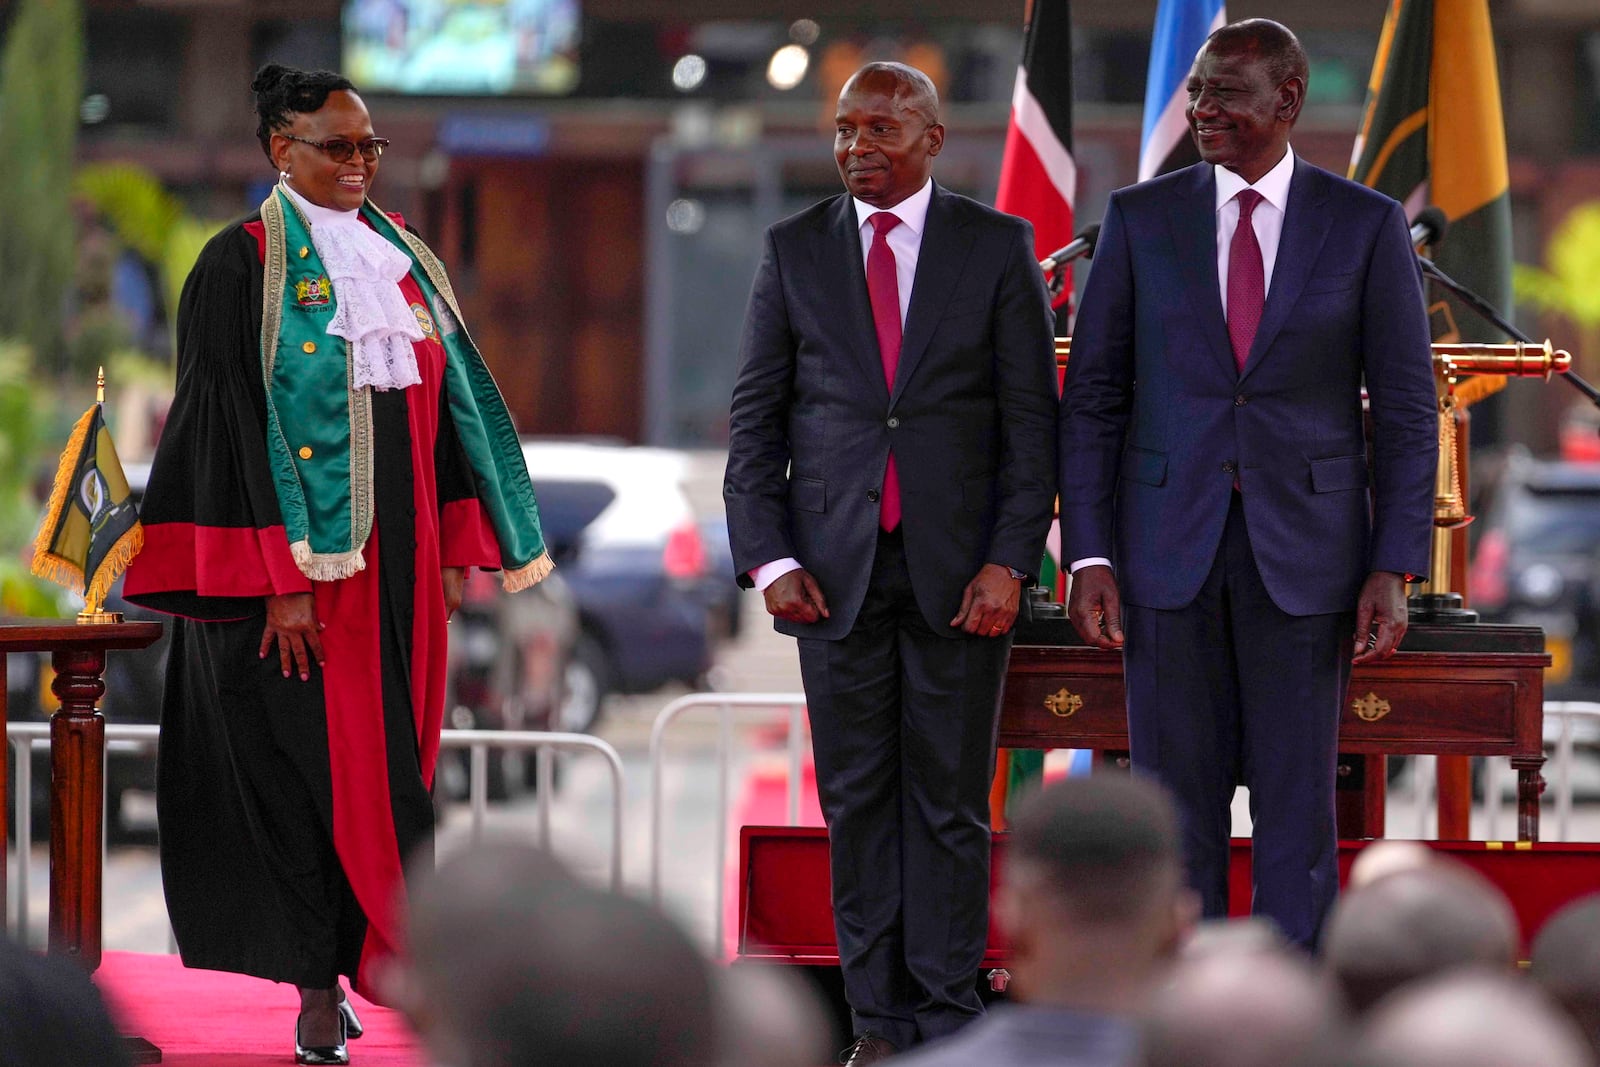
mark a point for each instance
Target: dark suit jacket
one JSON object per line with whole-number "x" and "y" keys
{"x": 971, "y": 415}
{"x": 1156, "y": 422}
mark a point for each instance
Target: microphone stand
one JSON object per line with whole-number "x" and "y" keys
{"x": 1488, "y": 312}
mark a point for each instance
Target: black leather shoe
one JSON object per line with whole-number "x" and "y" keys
{"x": 352, "y": 1023}
{"x": 318, "y": 1055}
{"x": 866, "y": 1049}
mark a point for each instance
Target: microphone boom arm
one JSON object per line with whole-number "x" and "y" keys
{"x": 1491, "y": 315}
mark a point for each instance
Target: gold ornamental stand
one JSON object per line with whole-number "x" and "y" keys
{"x": 1464, "y": 373}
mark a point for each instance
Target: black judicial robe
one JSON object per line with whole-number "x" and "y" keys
{"x": 287, "y": 808}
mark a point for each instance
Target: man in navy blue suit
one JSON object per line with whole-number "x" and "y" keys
{"x": 1230, "y": 528}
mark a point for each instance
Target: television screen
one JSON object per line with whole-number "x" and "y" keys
{"x": 462, "y": 47}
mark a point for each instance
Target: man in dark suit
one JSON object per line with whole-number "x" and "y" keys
{"x": 1213, "y": 454}
{"x": 891, "y": 468}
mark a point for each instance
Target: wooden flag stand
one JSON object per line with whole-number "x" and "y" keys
{"x": 77, "y": 777}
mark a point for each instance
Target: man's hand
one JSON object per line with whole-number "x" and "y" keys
{"x": 1383, "y": 601}
{"x": 292, "y": 623}
{"x": 455, "y": 580}
{"x": 989, "y": 602}
{"x": 1095, "y": 606}
{"x": 796, "y": 597}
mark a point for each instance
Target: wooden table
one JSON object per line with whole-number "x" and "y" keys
{"x": 77, "y": 767}
{"x": 1473, "y": 690}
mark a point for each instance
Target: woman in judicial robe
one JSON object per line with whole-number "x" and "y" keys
{"x": 336, "y": 456}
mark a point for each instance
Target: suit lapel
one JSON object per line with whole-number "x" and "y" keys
{"x": 940, "y": 261}
{"x": 840, "y": 268}
{"x": 1305, "y": 227}
{"x": 1193, "y": 215}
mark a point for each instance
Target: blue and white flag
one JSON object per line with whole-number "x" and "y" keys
{"x": 1182, "y": 26}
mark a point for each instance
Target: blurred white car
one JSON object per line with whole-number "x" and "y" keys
{"x": 620, "y": 527}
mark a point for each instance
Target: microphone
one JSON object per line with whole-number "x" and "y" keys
{"x": 1429, "y": 227}
{"x": 1079, "y": 247}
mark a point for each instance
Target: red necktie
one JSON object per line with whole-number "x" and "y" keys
{"x": 883, "y": 289}
{"x": 1247, "y": 280}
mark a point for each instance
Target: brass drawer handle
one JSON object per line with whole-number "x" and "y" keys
{"x": 1370, "y": 708}
{"x": 1063, "y": 703}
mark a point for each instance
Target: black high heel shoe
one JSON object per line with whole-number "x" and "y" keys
{"x": 352, "y": 1023}
{"x": 320, "y": 1055}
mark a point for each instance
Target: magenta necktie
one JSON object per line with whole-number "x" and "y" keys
{"x": 1247, "y": 280}
{"x": 883, "y": 289}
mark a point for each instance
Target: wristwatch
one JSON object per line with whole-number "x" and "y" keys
{"x": 1020, "y": 576}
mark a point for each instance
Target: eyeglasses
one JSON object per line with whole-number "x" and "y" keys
{"x": 341, "y": 150}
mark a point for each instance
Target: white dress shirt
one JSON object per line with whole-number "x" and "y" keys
{"x": 905, "y": 241}
{"x": 1267, "y": 220}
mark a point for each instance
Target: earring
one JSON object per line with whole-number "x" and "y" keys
{"x": 283, "y": 174}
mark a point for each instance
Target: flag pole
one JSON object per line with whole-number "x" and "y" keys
{"x": 92, "y": 613}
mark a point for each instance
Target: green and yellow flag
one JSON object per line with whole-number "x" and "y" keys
{"x": 90, "y": 532}
{"x": 1433, "y": 133}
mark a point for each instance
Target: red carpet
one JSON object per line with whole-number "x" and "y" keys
{"x": 213, "y": 1019}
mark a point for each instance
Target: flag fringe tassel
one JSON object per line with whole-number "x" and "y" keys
{"x": 130, "y": 544}
{"x": 46, "y": 564}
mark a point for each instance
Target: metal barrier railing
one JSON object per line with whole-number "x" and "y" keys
{"x": 1565, "y": 714}
{"x": 726, "y": 704}
{"x": 23, "y": 736}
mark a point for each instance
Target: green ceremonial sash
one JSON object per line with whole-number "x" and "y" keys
{"x": 319, "y": 428}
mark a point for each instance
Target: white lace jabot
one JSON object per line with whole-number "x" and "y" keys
{"x": 371, "y": 313}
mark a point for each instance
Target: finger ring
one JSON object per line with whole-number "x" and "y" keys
{"x": 996, "y": 628}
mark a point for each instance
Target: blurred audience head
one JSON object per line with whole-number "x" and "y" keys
{"x": 511, "y": 961}
{"x": 1092, "y": 894}
{"x": 1235, "y": 935}
{"x": 771, "y": 1018}
{"x": 1240, "y": 1005}
{"x": 1473, "y": 1018}
{"x": 1566, "y": 963}
{"x": 50, "y": 1013}
{"x": 1413, "y": 924}
{"x": 1387, "y": 857}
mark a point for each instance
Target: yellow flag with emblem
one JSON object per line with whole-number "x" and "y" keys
{"x": 1433, "y": 133}
{"x": 90, "y": 531}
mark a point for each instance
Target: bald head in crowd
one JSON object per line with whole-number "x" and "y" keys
{"x": 513, "y": 962}
{"x": 1413, "y": 924}
{"x": 1239, "y": 1005}
{"x": 1093, "y": 894}
{"x": 1566, "y": 964}
{"x": 1473, "y": 1018}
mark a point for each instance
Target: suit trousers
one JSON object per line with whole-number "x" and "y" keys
{"x": 903, "y": 726}
{"x": 1231, "y": 690}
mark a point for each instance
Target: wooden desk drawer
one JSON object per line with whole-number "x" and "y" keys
{"x": 1081, "y": 704}
{"x": 1468, "y": 715}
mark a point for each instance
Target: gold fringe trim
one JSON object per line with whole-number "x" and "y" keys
{"x": 117, "y": 559}
{"x": 514, "y": 581}
{"x": 1478, "y": 387}
{"x": 46, "y": 564}
{"x": 327, "y": 566}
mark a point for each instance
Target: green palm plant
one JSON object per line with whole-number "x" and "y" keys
{"x": 41, "y": 85}
{"x": 1567, "y": 286}
{"x": 26, "y": 419}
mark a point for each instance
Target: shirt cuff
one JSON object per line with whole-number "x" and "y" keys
{"x": 1088, "y": 561}
{"x": 768, "y": 573}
